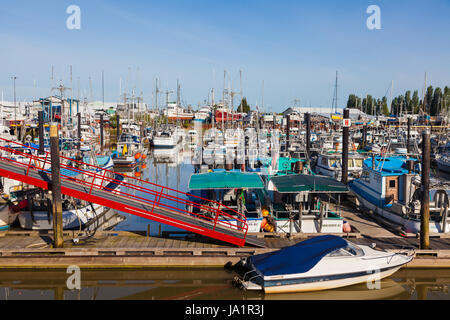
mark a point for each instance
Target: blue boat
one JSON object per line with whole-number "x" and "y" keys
{"x": 390, "y": 187}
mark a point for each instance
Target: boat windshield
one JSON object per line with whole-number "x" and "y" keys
{"x": 349, "y": 251}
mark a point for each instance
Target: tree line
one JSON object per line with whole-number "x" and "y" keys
{"x": 437, "y": 101}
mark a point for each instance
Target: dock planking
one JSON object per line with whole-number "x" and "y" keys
{"x": 131, "y": 250}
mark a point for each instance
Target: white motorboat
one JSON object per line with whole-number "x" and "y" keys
{"x": 319, "y": 263}
{"x": 166, "y": 139}
{"x": 35, "y": 207}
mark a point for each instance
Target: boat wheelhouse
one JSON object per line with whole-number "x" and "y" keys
{"x": 330, "y": 164}
{"x": 241, "y": 192}
{"x": 390, "y": 187}
{"x": 300, "y": 203}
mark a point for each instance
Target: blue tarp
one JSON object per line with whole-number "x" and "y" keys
{"x": 298, "y": 258}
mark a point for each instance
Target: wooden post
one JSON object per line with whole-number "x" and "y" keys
{"x": 101, "y": 132}
{"x": 345, "y": 130}
{"x": 79, "y": 131}
{"x": 364, "y": 137}
{"x": 409, "y": 136}
{"x": 117, "y": 126}
{"x": 425, "y": 194}
{"x": 288, "y": 133}
{"x": 444, "y": 219}
{"x": 308, "y": 134}
{"x": 274, "y": 122}
{"x": 41, "y": 132}
{"x": 58, "y": 241}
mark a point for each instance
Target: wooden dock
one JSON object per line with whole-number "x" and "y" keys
{"x": 124, "y": 250}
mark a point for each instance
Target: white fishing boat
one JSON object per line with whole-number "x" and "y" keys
{"x": 175, "y": 112}
{"x": 319, "y": 263}
{"x": 203, "y": 114}
{"x": 127, "y": 148}
{"x": 36, "y": 208}
{"x": 166, "y": 139}
{"x": 330, "y": 164}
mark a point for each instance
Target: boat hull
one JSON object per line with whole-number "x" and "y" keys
{"x": 409, "y": 225}
{"x": 364, "y": 277}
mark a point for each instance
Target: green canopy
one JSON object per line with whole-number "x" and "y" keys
{"x": 302, "y": 182}
{"x": 225, "y": 180}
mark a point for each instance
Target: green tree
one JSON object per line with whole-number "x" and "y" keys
{"x": 415, "y": 102}
{"x": 384, "y": 106}
{"x": 428, "y": 99}
{"x": 408, "y": 102}
{"x": 435, "y": 105}
{"x": 353, "y": 102}
{"x": 244, "y": 107}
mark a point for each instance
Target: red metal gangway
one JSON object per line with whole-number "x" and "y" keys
{"x": 155, "y": 202}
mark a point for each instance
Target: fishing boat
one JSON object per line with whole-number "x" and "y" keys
{"x": 443, "y": 162}
{"x": 193, "y": 138}
{"x": 390, "y": 187}
{"x": 127, "y": 149}
{"x": 166, "y": 139}
{"x": 5, "y": 215}
{"x": 175, "y": 112}
{"x": 36, "y": 208}
{"x": 301, "y": 203}
{"x": 319, "y": 263}
{"x": 203, "y": 114}
{"x": 330, "y": 164}
{"x": 234, "y": 191}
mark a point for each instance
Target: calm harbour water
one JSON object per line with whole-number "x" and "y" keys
{"x": 205, "y": 284}
{"x": 174, "y": 170}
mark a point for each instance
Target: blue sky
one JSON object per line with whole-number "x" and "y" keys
{"x": 295, "y": 47}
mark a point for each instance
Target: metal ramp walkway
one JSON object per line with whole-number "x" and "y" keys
{"x": 141, "y": 198}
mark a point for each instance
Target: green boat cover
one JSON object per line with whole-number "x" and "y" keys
{"x": 292, "y": 183}
{"x": 225, "y": 180}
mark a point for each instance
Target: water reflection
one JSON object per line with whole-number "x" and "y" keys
{"x": 205, "y": 284}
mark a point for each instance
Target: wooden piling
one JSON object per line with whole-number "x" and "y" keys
{"x": 364, "y": 137}
{"x": 41, "y": 132}
{"x": 409, "y": 136}
{"x": 308, "y": 134}
{"x": 118, "y": 127}
{"x": 425, "y": 194}
{"x": 345, "y": 131}
{"x": 288, "y": 133}
{"x": 101, "y": 133}
{"x": 56, "y": 188}
{"x": 79, "y": 131}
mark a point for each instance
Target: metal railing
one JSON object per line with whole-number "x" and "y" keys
{"x": 156, "y": 196}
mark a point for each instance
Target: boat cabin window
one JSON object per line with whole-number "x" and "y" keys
{"x": 391, "y": 183}
{"x": 359, "y": 163}
{"x": 350, "y": 250}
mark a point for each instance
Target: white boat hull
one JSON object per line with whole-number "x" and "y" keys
{"x": 332, "y": 284}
